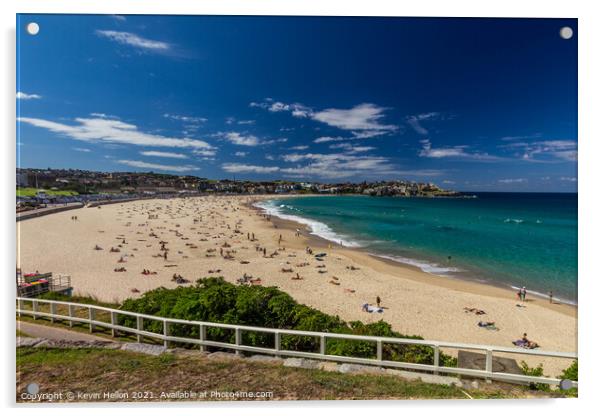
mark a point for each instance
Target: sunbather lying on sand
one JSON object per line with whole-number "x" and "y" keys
{"x": 474, "y": 310}
{"x": 524, "y": 342}
{"x": 366, "y": 307}
{"x": 488, "y": 325}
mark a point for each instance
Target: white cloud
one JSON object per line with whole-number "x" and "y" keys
{"x": 186, "y": 119}
{"x": 512, "y": 138}
{"x": 348, "y": 147}
{"x": 327, "y": 139}
{"x": 155, "y": 166}
{"x": 332, "y": 166}
{"x": 453, "y": 152}
{"x": 204, "y": 152}
{"x": 242, "y": 140}
{"x": 81, "y": 149}
{"x": 361, "y": 118}
{"x": 119, "y": 17}
{"x": 296, "y": 109}
{"x": 534, "y": 151}
{"x": 24, "y": 96}
{"x": 241, "y": 154}
{"x": 131, "y": 39}
{"x": 242, "y": 168}
{"x": 171, "y": 155}
{"x": 302, "y": 147}
{"x": 568, "y": 179}
{"x": 339, "y": 165}
{"x": 113, "y": 131}
{"x": 103, "y": 115}
{"x": 415, "y": 121}
{"x": 515, "y": 180}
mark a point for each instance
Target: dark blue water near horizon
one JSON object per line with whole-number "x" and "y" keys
{"x": 508, "y": 239}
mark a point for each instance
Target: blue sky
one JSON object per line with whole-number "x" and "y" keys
{"x": 470, "y": 104}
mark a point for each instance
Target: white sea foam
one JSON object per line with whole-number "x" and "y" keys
{"x": 431, "y": 268}
{"x": 317, "y": 228}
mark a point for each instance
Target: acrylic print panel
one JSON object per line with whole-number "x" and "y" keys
{"x": 367, "y": 208}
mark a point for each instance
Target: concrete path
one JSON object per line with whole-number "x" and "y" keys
{"x": 48, "y": 332}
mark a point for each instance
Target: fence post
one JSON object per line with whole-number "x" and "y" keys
{"x": 20, "y": 306}
{"x": 277, "y": 342}
{"x": 489, "y": 364}
{"x": 379, "y": 350}
{"x": 238, "y": 339}
{"x": 52, "y": 312}
{"x": 436, "y": 359}
{"x": 322, "y": 345}
{"x": 34, "y": 307}
{"x": 165, "y": 333}
{"x": 91, "y": 317}
{"x": 113, "y": 323}
{"x": 139, "y": 327}
{"x": 71, "y": 308}
{"x": 203, "y": 336}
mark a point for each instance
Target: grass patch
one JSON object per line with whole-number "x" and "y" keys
{"x": 30, "y": 192}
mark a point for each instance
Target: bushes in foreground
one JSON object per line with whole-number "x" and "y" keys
{"x": 215, "y": 300}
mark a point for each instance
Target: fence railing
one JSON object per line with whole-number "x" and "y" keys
{"x": 90, "y": 319}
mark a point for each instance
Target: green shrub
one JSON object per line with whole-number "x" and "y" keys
{"x": 215, "y": 300}
{"x": 571, "y": 372}
{"x": 535, "y": 372}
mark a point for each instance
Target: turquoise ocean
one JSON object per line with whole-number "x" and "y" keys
{"x": 505, "y": 239}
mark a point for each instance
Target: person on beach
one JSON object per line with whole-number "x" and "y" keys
{"x": 378, "y": 301}
{"x": 523, "y": 293}
{"x": 551, "y": 296}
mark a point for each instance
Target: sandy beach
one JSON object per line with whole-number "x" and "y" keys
{"x": 213, "y": 236}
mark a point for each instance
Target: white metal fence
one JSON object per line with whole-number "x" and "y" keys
{"x": 91, "y": 320}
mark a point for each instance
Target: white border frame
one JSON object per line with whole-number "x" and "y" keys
{"x": 590, "y": 68}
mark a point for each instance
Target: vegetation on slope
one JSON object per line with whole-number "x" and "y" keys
{"x": 215, "y": 300}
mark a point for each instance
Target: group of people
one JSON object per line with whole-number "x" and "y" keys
{"x": 179, "y": 279}
{"x": 522, "y": 294}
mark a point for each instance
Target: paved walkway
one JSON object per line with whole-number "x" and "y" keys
{"x": 48, "y": 332}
